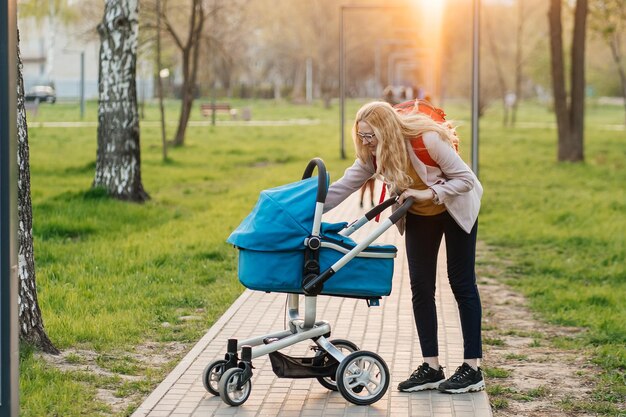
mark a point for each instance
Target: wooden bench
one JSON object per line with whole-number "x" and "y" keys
{"x": 207, "y": 109}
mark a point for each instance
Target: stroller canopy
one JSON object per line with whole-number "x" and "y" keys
{"x": 281, "y": 219}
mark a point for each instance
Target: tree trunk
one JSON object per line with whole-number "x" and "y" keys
{"x": 118, "y": 159}
{"x": 190, "y": 71}
{"x": 190, "y": 56}
{"x": 519, "y": 43}
{"x": 186, "y": 103}
{"x": 575, "y": 150}
{"x": 570, "y": 119}
{"x": 558, "y": 78}
{"x": 160, "y": 80}
{"x": 31, "y": 322}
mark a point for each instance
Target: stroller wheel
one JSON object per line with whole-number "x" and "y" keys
{"x": 229, "y": 392}
{"x": 363, "y": 378}
{"x": 211, "y": 376}
{"x": 346, "y": 347}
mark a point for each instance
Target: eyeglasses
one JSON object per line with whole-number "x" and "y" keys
{"x": 367, "y": 137}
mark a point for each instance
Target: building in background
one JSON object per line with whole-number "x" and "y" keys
{"x": 54, "y": 58}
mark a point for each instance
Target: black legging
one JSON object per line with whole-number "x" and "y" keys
{"x": 423, "y": 238}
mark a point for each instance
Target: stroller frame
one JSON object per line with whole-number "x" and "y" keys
{"x": 362, "y": 377}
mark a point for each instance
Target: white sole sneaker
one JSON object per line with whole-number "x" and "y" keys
{"x": 479, "y": 386}
{"x": 423, "y": 387}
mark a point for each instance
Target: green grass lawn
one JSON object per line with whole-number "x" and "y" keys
{"x": 114, "y": 277}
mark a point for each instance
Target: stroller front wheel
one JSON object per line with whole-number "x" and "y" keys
{"x": 212, "y": 374}
{"x": 346, "y": 347}
{"x": 362, "y": 377}
{"x": 232, "y": 391}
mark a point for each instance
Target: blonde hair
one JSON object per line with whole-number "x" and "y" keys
{"x": 392, "y": 131}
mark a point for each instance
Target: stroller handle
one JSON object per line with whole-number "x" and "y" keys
{"x": 402, "y": 210}
{"x": 380, "y": 208}
{"x": 313, "y": 284}
{"x": 322, "y": 182}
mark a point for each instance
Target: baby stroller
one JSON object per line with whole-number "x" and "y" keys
{"x": 284, "y": 247}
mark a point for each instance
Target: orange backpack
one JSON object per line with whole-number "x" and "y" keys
{"x": 435, "y": 113}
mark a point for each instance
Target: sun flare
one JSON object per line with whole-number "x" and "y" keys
{"x": 431, "y": 28}
{"x": 432, "y": 8}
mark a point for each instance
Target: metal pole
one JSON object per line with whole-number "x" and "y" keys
{"x": 475, "y": 83}
{"x": 9, "y": 346}
{"x": 342, "y": 88}
{"x": 82, "y": 85}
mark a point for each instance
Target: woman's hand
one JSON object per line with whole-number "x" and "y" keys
{"x": 417, "y": 195}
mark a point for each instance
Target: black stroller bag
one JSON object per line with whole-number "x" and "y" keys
{"x": 321, "y": 365}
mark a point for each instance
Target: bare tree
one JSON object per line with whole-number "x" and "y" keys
{"x": 31, "y": 322}
{"x": 608, "y": 19}
{"x": 190, "y": 53}
{"x": 569, "y": 116}
{"x": 118, "y": 160}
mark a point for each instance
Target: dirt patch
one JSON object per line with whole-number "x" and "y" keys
{"x": 529, "y": 377}
{"x": 117, "y": 372}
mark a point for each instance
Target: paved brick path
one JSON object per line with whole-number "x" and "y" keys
{"x": 388, "y": 330}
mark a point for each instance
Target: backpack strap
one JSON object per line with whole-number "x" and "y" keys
{"x": 426, "y": 108}
{"x": 421, "y": 152}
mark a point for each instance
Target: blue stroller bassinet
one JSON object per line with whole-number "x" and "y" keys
{"x": 284, "y": 247}
{"x": 272, "y": 243}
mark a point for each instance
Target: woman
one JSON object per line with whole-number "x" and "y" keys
{"x": 446, "y": 196}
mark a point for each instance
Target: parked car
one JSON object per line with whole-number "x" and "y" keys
{"x": 41, "y": 94}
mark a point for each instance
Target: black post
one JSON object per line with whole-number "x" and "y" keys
{"x": 9, "y": 347}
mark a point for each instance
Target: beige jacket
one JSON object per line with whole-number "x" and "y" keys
{"x": 453, "y": 181}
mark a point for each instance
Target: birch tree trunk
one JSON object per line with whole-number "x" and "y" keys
{"x": 118, "y": 159}
{"x": 31, "y": 322}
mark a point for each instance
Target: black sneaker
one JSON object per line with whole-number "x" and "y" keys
{"x": 423, "y": 378}
{"x": 465, "y": 379}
